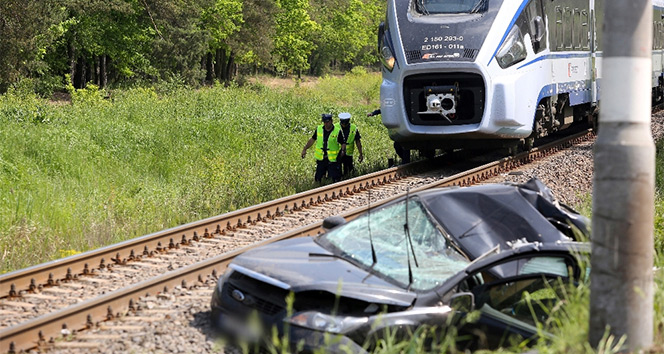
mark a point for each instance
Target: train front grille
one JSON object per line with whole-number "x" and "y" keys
{"x": 469, "y": 104}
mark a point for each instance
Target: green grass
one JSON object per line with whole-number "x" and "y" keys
{"x": 74, "y": 177}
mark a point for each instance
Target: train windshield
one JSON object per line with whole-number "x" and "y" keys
{"x": 437, "y": 7}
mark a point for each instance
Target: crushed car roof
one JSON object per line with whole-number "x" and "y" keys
{"x": 479, "y": 218}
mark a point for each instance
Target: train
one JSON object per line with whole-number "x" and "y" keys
{"x": 494, "y": 73}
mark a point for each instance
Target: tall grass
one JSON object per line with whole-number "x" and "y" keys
{"x": 108, "y": 167}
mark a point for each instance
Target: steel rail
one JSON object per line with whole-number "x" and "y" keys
{"x": 51, "y": 273}
{"x": 84, "y": 315}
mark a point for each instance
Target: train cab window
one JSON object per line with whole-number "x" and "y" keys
{"x": 442, "y": 7}
{"x": 536, "y": 26}
{"x": 531, "y": 22}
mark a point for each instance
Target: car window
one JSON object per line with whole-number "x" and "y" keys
{"x": 558, "y": 266}
{"x": 527, "y": 300}
{"x": 434, "y": 261}
{"x": 520, "y": 289}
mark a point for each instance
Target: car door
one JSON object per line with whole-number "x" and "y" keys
{"x": 511, "y": 295}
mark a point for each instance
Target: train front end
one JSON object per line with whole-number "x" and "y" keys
{"x": 451, "y": 73}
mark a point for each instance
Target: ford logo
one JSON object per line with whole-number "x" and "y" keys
{"x": 238, "y": 295}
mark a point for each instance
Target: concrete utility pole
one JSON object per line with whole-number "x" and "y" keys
{"x": 621, "y": 290}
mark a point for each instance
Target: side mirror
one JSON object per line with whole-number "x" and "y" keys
{"x": 538, "y": 25}
{"x": 332, "y": 222}
{"x": 463, "y": 302}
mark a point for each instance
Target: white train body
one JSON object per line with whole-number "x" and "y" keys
{"x": 479, "y": 73}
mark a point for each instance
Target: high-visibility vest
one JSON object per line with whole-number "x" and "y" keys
{"x": 333, "y": 146}
{"x": 350, "y": 140}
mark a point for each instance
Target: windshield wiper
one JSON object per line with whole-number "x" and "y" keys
{"x": 410, "y": 242}
{"x": 480, "y": 4}
{"x": 373, "y": 250}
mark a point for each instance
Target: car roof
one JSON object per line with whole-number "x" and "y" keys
{"x": 479, "y": 218}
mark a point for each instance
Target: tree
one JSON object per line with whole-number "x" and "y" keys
{"x": 96, "y": 37}
{"x": 347, "y": 35}
{"x": 253, "y": 43}
{"x": 24, "y": 34}
{"x": 221, "y": 19}
{"x": 293, "y": 38}
{"x": 181, "y": 42}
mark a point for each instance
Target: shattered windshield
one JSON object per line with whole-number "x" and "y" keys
{"x": 436, "y": 259}
{"x": 434, "y": 7}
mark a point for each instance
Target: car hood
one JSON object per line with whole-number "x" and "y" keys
{"x": 303, "y": 265}
{"x": 481, "y": 217}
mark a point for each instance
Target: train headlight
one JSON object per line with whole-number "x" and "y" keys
{"x": 387, "y": 58}
{"x": 386, "y": 53}
{"x": 513, "y": 49}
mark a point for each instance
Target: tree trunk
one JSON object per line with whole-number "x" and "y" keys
{"x": 104, "y": 75}
{"x": 223, "y": 68}
{"x": 91, "y": 71}
{"x": 209, "y": 68}
{"x": 218, "y": 64}
{"x": 229, "y": 67}
{"x": 98, "y": 71}
{"x": 72, "y": 64}
{"x": 84, "y": 72}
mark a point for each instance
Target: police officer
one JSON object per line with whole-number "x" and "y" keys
{"x": 328, "y": 149}
{"x": 352, "y": 138}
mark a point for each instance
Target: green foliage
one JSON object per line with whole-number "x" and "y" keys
{"x": 659, "y": 205}
{"x": 91, "y": 94}
{"x": 253, "y": 43}
{"x": 222, "y": 19}
{"x": 24, "y": 28}
{"x": 293, "y": 43}
{"x": 122, "y": 43}
{"x": 21, "y": 105}
{"x": 98, "y": 171}
{"x": 347, "y": 34}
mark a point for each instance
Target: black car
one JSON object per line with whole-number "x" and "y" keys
{"x": 427, "y": 259}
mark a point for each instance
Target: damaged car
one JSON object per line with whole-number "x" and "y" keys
{"x": 467, "y": 258}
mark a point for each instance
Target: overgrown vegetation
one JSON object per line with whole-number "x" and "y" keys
{"x": 115, "y": 165}
{"x": 116, "y": 43}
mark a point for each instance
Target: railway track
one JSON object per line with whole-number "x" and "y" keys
{"x": 140, "y": 255}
